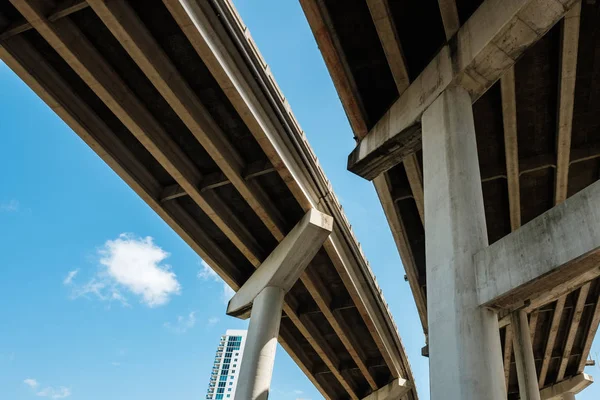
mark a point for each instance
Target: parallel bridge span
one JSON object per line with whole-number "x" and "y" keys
{"x": 478, "y": 121}
{"x": 175, "y": 97}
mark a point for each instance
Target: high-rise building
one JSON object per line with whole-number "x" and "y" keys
{"x": 226, "y": 368}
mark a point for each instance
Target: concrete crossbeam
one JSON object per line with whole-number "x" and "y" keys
{"x": 573, "y": 386}
{"x": 285, "y": 264}
{"x": 392, "y": 391}
{"x": 546, "y": 258}
{"x": 486, "y": 46}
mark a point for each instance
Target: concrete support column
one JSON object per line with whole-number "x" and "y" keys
{"x": 261, "y": 299}
{"x": 261, "y": 343}
{"x": 568, "y": 396}
{"x": 465, "y": 357}
{"x": 528, "y": 381}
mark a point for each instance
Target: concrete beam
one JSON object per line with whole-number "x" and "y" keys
{"x": 509, "y": 116}
{"x": 392, "y": 391}
{"x": 415, "y": 181}
{"x": 63, "y": 9}
{"x": 572, "y": 385}
{"x": 285, "y": 264}
{"x": 487, "y": 45}
{"x": 383, "y": 188}
{"x": 130, "y": 31}
{"x": 449, "y": 13}
{"x": 524, "y": 358}
{"x": 575, "y": 321}
{"x": 320, "y": 23}
{"x": 508, "y": 351}
{"x": 566, "y": 86}
{"x": 390, "y": 42}
{"x": 546, "y": 258}
{"x": 591, "y": 334}
{"x": 556, "y": 316}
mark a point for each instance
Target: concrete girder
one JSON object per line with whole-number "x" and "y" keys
{"x": 550, "y": 256}
{"x": 573, "y": 386}
{"x": 524, "y": 358}
{"x": 486, "y": 46}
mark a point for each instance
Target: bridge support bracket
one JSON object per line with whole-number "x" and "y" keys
{"x": 261, "y": 299}
{"x": 392, "y": 391}
{"x": 567, "y": 389}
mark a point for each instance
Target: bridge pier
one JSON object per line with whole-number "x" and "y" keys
{"x": 465, "y": 352}
{"x": 261, "y": 343}
{"x": 261, "y": 299}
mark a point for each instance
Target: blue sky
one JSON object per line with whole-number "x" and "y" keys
{"x": 76, "y": 324}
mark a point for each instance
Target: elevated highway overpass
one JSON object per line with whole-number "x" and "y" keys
{"x": 175, "y": 97}
{"x": 529, "y": 143}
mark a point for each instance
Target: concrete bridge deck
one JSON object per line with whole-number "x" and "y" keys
{"x": 175, "y": 97}
{"x": 536, "y": 120}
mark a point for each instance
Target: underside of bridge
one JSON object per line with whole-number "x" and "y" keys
{"x": 174, "y": 96}
{"x": 532, "y": 69}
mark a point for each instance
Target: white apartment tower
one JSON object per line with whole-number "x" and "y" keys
{"x": 226, "y": 368}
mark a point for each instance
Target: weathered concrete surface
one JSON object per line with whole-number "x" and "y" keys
{"x": 546, "y": 258}
{"x": 261, "y": 297}
{"x": 567, "y": 389}
{"x": 392, "y": 391}
{"x": 283, "y": 266}
{"x": 464, "y": 342}
{"x": 528, "y": 382}
{"x": 486, "y": 46}
{"x": 261, "y": 343}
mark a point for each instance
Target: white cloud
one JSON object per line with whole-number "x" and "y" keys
{"x": 54, "y": 393}
{"x": 10, "y": 206}
{"x": 115, "y": 364}
{"x": 69, "y": 278}
{"x": 136, "y": 264}
{"x": 32, "y": 383}
{"x": 48, "y": 391}
{"x": 208, "y": 274}
{"x": 133, "y": 264}
{"x": 212, "y": 321}
{"x": 182, "y": 324}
